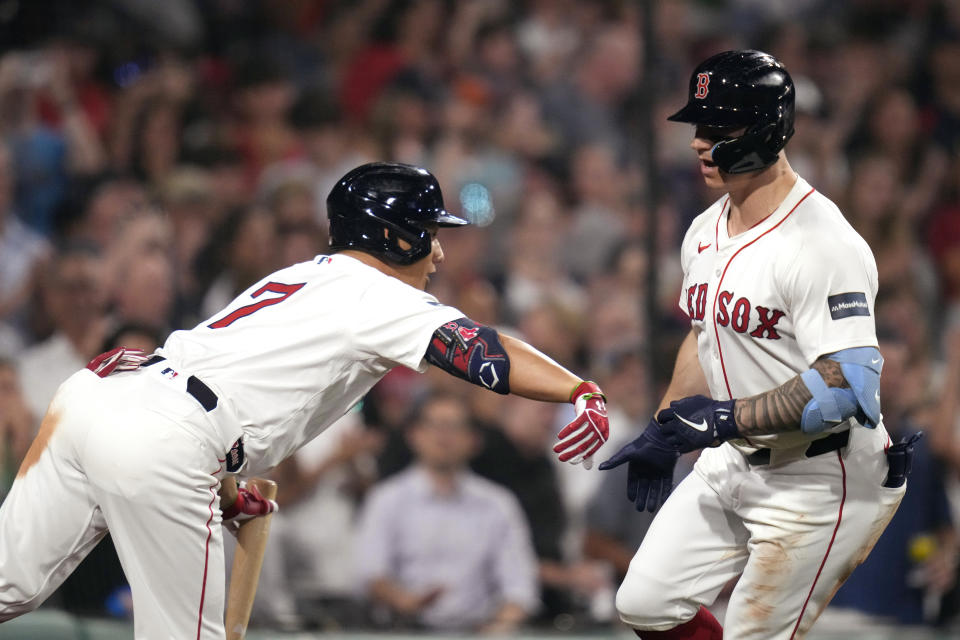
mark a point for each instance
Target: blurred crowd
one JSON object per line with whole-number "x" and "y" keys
{"x": 156, "y": 159}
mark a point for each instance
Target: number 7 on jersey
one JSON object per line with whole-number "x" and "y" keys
{"x": 285, "y": 291}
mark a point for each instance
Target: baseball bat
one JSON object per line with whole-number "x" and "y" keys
{"x": 251, "y": 544}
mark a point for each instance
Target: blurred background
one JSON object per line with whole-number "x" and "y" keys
{"x": 157, "y": 158}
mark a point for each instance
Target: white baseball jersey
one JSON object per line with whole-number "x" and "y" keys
{"x": 765, "y": 305}
{"x": 143, "y": 452}
{"x": 768, "y": 302}
{"x": 295, "y": 351}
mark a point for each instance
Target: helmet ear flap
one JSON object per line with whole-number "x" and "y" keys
{"x": 418, "y": 246}
{"x": 379, "y": 236}
{"x": 756, "y": 149}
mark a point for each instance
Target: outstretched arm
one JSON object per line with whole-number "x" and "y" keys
{"x": 481, "y": 355}
{"x": 536, "y": 376}
{"x": 488, "y": 358}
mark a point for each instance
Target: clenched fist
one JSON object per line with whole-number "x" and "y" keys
{"x": 250, "y": 503}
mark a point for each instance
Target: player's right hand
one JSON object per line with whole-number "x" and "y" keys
{"x": 589, "y": 430}
{"x": 650, "y": 461}
{"x": 250, "y": 503}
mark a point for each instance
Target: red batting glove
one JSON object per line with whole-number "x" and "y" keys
{"x": 119, "y": 359}
{"x": 589, "y": 430}
{"x": 250, "y": 504}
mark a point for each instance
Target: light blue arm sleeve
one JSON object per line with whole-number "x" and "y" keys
{"x": 861, "y": 367}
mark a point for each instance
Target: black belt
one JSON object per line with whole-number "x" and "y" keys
{"x": 208, "y": 399}
{"x": 832, "y": 442}
{"x": 195, "y": 386}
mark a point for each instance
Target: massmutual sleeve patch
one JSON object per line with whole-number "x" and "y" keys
{"x": 844, "y": 305}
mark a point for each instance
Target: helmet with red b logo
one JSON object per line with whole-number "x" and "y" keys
{"x": 742, "y": 89}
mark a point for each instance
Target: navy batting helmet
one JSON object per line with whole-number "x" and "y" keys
{"x": 377, "y": 205}
{"x": 737, "y": 89}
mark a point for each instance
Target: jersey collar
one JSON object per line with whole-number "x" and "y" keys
{"x": 797, "y": 192}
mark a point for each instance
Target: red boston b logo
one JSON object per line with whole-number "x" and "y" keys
{"x": 703, "y": 81}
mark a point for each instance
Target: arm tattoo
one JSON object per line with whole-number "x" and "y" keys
{"x": 831, "y": 373}
{"x": 780, "y": 409}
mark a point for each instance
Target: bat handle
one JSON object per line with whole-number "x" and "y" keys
{"x": 251, "y": 544}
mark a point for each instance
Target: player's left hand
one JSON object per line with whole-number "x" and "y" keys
{"x": 588, "y": 431}
{"x": 250, "y": 503}
{"x": 651, "y": 460}
{"x": 696, "y": 422}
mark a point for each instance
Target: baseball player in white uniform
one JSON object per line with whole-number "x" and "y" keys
{"x": 778, "y": 379}
{"x": 139, "y": 446}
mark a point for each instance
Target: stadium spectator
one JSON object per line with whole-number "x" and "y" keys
{"x": 440, "y": 547}
{"x": 75, "y": 301}
{"x": 516, "y": 454}
{"x": 243, "y": 249}
{"x": 22, "y": 251}
{"x": 584, "y": 105}
{"x": 311, "y": 575}
{"x": 263, "y": 96}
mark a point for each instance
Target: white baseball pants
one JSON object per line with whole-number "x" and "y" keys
{"x": 134, "y": 454}
{"x": 794, "y": 531}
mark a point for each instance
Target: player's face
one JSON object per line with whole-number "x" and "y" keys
{"x": 429, "y": 264}
{"x": 704, "y": 140}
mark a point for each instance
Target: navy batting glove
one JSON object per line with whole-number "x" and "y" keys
{"x": 900, "y": 461}
{"x": 696, "y": 422}
{"x": 651, "y": 460}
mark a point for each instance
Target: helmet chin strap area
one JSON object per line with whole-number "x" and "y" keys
{"x": 753, "y": 151}
{"x": 406, "y": 246}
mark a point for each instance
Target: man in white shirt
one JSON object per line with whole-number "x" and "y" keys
{"x": 75, "y": 297}
{"x": 139, "y": 446}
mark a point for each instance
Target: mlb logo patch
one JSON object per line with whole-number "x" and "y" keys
{"x": 844, "y": 305}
